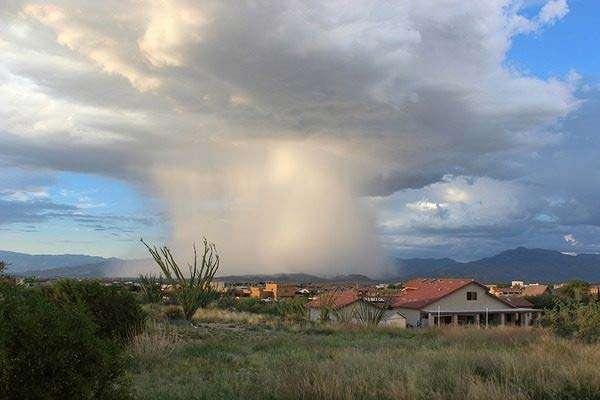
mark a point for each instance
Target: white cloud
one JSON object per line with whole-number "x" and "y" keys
{"x": 553, "y": 11}
{"x": 172, "y": 25}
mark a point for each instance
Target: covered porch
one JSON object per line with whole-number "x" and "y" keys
{"x": 485, "y": 318}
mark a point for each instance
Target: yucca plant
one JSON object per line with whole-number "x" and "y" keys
{"x": 193, "y": 290}
{"x": 369, "y": 314}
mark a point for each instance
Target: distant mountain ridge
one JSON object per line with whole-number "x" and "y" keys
{"x": 515, "y": 264}
{"x": 22, "y": 262}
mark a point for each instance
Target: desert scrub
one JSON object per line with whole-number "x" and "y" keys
{"x": 329, "y": 362}
{"x": 156, "y": 343}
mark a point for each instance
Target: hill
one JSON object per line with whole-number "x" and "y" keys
{"x": 515, "y": 264}
{"x": 520, "y": 263}
{"x": 22, "y": 262}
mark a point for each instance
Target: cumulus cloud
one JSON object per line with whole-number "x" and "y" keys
{"x": 267, "y": 125}
{"x": 553, "y": 11}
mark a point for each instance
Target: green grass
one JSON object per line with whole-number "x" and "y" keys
{"x": 231, "y": 356}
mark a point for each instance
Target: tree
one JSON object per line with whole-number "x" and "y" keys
{"x": 195, "y": 290}
{"x": 3, "y": 266}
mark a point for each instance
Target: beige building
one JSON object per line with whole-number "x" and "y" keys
{"x": 435, "y": 302}
{"x": 281, "y": 290}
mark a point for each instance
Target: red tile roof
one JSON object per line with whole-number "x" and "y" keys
{"x": 534, "y": 290}
{"x": 334, "y": 300}
{"x": 418, "y": 293}
{"x": 516, "y": 301}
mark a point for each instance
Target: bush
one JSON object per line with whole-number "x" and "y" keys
{"x": 172, "y": 313}
{"x": 115, "y": 310}
{"x": 151, "y": 288}
{"x": 575, "y": 319}
{"x": 52, "y": 351}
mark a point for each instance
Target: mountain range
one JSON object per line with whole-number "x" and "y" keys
{"x": 515, "y": 264}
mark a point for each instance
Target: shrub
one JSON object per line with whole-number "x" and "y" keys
{"x": 115, "y": 310}
{"x": 575, "y": 319}
{"x": 52, "y": 351}
{"x": 173, "y": 313}
{"x": 151, "y": 288}
{"x": 293, "y": 310}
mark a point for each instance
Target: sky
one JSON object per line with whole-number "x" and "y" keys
{"x": 300, "y": 135}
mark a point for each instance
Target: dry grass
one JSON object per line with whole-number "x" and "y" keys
{"x": 340, "y": 363}
{"x": 156, "y": 343}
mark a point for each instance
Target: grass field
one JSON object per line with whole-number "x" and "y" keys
{"x": 247, "y": 356}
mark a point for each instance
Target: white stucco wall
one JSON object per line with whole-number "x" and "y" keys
{"x": 413, "y": 317}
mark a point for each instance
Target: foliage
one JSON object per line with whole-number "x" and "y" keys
{"x": 251, "y": 305}
{"x": 3, "y": 266}
{"x": 545, "y": 301}
{"x": 327, "y": 302}
{"x": 368, "y": 314}
{"x": 575, "y": 319}
{"x": 115, "y": 310}
{"x": 195, "y": 290}
{"x": 53, "y": 351}
{"x": 151, "y": 288}
{"x": 173, "y": 313}
{"x": 343, "y": 315}
{"x": 574, "y": 290}
{"x": 293, "y": 310}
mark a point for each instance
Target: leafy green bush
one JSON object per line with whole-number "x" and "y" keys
{"x": 575, "y": 319}
{"x": 53, "y": 351}
{"x": 115, "y": 310}
{"x": 293, "y": 309}
{"x": 290, "y": 309}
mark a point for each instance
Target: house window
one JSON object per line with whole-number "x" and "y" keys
{"x": 471, "y": 295}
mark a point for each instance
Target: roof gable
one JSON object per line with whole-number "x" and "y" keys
{"x": 419, "y": 293}
{"x": 334, "y": 300}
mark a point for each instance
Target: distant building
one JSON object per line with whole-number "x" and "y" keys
{"x": 258, "y": 292}
{"x": 218, "y": 286}
{"x": 595, "y": 289}
{"x": 280, "y": 290}
{"x": 275, "y": 291}
{"x": 534, "y": 290}
{"x": 520, "y": 288}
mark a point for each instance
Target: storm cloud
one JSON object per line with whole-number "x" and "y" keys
{"x": 301, "y": 134}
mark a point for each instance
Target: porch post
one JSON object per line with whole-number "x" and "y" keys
{"x": 454, "y": 319}
{"x": 430, "y": 321}
{"x": 502, "y": 319}
{"x": 477, "y": 319}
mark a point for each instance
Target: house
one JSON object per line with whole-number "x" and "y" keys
{"x": 350, "y": 306}
{"x": 434, "y": 302}
{"x": 280, "y": 290}
{"x": 258, "y": 292}
{"x": 595, "y": 289}
{"x": 519, "y": 288}
{"x": 534, "y": 290}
